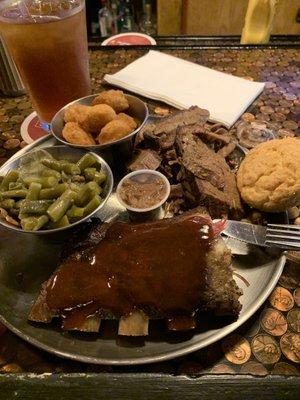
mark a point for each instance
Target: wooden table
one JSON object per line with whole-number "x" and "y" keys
{"x": 262, "y": 358}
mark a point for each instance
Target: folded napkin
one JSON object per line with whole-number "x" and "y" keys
{"x": 183, "y": 84}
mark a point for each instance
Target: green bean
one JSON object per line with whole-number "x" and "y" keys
{"x": 19, "y": 193}
{"x": 91, "y": 174}
{"x": 86, "y": 193}
{"x": 46, "y": 182}
{"x": 64, "y": 221}
{"x": 34, "y": 191}
{"x": 75, "y": 186}
{"x": 60, "y": 166}
{"x": 15, "y": 185}
{"x": 53, "y": 193}
{"x": 34, "y": 223}
{"x": 57, "y": 210}
{"x": 7, "y": 204}
{"x": 78, "y": 178}
{"x": 38, "y": 207}
{"x": 92, "y": 205}
{"x": 88, "y": 160}
{"x": 51, "y": 172}
{"x": 11, "y": 176}
{"x": 75, "y": 212}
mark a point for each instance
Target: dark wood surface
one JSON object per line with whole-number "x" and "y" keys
{"x": 146, "y": 387}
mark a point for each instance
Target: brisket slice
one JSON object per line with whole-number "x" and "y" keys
{"x": 212, "y": 182}
{"x": 220, "y": 296}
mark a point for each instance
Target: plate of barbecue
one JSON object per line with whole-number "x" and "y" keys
{"x": 138, "y": 287}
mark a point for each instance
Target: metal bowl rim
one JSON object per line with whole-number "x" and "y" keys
{"x": 49, "y": 231}
{"x": 98, "y": 146}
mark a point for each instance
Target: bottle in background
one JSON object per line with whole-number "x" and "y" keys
{"x": 105, "y": 19}
{"x": 126, "y": 16}
{"x": 147, "y": 24}
{"x": 114, "y": 13}
{"x": 258, "y": 21}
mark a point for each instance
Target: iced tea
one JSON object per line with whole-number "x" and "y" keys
{"x": 48, "y": 42}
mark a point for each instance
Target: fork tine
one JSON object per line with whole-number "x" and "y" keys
{"x": 287, "y": 237}
{"x": 285, "y": 231}
{"x": 286, "y": 226}
{"x": 286, "y": 244}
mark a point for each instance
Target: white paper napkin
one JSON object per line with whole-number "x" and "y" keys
{"x": 183, "y": 84}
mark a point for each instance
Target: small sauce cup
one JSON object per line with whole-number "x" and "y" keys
{"x": 143, "y": 194}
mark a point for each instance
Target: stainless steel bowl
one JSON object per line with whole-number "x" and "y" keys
{"x": 62, "y": 153}
{"x": 121, "y": 148}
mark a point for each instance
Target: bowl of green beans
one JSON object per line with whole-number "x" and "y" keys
{"x": 53, "y": 189}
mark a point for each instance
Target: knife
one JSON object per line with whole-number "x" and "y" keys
{"x": 249, "y": 233}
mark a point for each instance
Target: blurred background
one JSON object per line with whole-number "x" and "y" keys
{"x": 187, "y": 17}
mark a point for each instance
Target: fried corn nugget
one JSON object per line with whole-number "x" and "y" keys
{"x": 128, "y": 119}
{"x": 73, "y": 133}
{"x": 97, "y": 117}
{"x": 76, "y": 113}
{"x": 114, "y": 98}
{"x": 114, "y": 130}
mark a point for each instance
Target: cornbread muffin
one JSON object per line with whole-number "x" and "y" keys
{"x": 269, "y": 176}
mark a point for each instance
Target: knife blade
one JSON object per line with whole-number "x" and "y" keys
{"x": 249, "y": 233}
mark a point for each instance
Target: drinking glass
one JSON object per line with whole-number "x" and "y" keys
{"x": 48, "y": 42}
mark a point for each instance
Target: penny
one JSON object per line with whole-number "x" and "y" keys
{"x": 265, "y": 349}
{"x": 285, "y": 103}
{"x": 283, "y": 368}
{"x": 190, "y": 367}
{"x": 295, "y": 84}
{"x": 254, "y": 368}
{"x": 278, "y": 117}
{"x": 297, "y": 296}
{"x": 258, "y": 125}
{"x": 281, "y": 299}
{"x": 8, "y": 135}
{"x": 282, "y": 133}
{"x": 267, "y": 110}
{"x": 7, "y": 348}
{"x": 24, "y": 106}
{"x": 290, "y": 96}
{"x": 290, "y": 346}
{"x": 290, "y": 124}
{"x": 263, "y": 117}
{"x": 222, "y": 369}
{"x": 248, "y": 117}
{"x": 27, "y": 356}
{"x": 293, "y": 319}
{"x": 11, "y": 368}
{"x": 17, "y": 118}
{"x": 282, "y": 110}
{"x": 273, "y": 322}
{"x": 23, "y": 144}
{"x": 161, "y": 111}
{"x": 270, "y": 85}
{"x": 11, "y": 144}
{"x": 236, "y": 349}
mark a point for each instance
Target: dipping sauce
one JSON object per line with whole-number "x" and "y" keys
{"x": 143, "y": 190}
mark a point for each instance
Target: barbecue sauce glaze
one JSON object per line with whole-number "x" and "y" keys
{"x": 158, "y": 267}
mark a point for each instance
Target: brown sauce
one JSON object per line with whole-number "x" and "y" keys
{"x": 156, "y": 267}
{"x": 143, "y": 190}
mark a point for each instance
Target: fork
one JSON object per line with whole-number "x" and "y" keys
{"x": 283, "y": 236}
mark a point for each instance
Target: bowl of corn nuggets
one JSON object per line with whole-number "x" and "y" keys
{"x": 100, "y": 121}
{"x": 53, "y": 189}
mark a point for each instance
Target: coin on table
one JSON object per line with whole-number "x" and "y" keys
{"x": 266, "y": 110}
{"x": 283, "y": 368}
{"x": 247, "y": 117}
{"x": 278, "y": 117}
{"x": 290, "y": 124}
{"x": 265, "y": 349}
{"x": 11, "y": 368}
{"x": 281, "y": 299}
{"x": 273, "y": 322}
{"x": 297, "y": 296}
{"x": 290, "y": 346}
{"x": 236, "y": 349}
{"x": 222, "y": 369}
{"x": 282, "y": 110}
{"x": 254, "y": 368}
{"x": 283, "y": 133}
{"x": 293, "y": 319}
